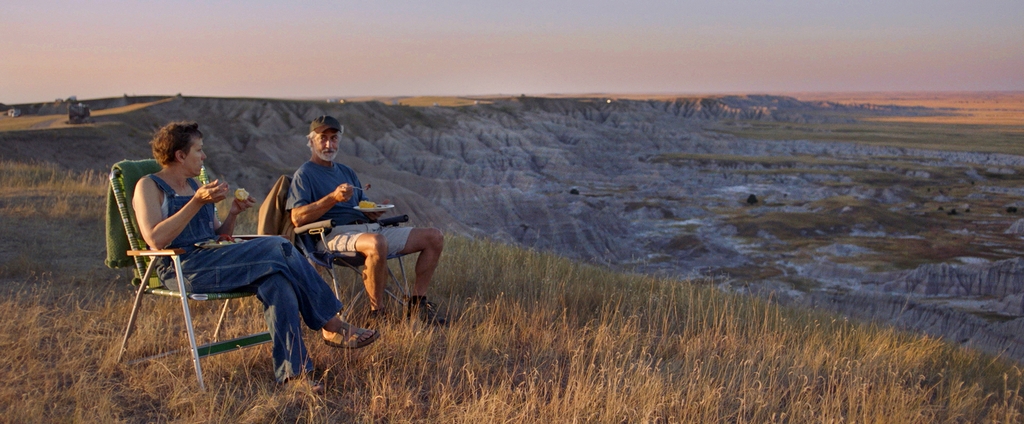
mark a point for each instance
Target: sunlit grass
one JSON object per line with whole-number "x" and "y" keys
{"x": 983, "y": 108}
{"x": 54, "y": 121}
{"x": 534, "y": 338}
{"x": 30, "y": 122}
{"x": 128, "y": 108}
{"x": 445, "y": 101}
{"x": 43, "y": 190}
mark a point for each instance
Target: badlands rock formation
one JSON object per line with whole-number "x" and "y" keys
{"x": 1002, "y": 282}
{"x": 650, "y": 186}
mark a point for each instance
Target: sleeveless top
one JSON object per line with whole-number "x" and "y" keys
{"x": 200, "y": 228}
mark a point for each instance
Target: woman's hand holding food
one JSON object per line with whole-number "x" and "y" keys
{"x": 242, "y": 202}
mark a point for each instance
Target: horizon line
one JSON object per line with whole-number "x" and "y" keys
{"x": 623, "y": 95}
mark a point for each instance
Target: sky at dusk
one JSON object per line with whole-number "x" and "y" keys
{"x": 311, "y": 49}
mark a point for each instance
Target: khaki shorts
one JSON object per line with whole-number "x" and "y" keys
{"x": 343, "y": 237}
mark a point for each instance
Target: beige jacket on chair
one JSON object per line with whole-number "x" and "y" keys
{"x": 274, "y": 219}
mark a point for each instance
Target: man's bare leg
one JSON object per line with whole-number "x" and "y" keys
{"x": 375, "y": 248}
{"x": 429, "y": 242}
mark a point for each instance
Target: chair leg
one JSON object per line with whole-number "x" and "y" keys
{"x": 223, "y": 313}
{"x": 403, "y": 285}
{"x": 334, "y": 279}
{"x": 188, "y": 321}
{"x": 351, "y": 306}
{"x": 135, "y": 311}
{"x": 405, "y": 279}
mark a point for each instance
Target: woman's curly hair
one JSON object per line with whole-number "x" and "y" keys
{"x": 173, "y": 137}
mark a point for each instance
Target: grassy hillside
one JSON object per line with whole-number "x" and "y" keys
{"x": 536, "y": 338}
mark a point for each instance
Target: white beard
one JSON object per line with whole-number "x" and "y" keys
{"x": 323, "y": 155}
{"x": 327, "y": 157}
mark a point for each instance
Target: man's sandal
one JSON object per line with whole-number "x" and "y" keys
{"x": 362, "y": 338}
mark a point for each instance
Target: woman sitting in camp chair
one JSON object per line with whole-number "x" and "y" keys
{"x": 175, "y": 212}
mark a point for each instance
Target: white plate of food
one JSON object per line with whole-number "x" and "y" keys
{"x": 374, "y": 208}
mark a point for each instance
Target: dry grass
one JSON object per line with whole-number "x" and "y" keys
{"x": 977, "y": 122}
{"x": 444, "y": 101}
{"x": 129, "y": 108}
{"x": 977, "y": 108}
{"x": 32, "y": 122}
{"x": 36, "y": 122}
{"x": 42, "y": 208}
{"x": 535, "y": 338}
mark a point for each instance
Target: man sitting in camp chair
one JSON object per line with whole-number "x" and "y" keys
{"x": 322, "y": 189}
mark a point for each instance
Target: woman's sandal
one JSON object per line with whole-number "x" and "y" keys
{"x": 362, "y": 338}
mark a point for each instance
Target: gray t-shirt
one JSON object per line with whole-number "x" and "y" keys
{"x": 312, "y": 182}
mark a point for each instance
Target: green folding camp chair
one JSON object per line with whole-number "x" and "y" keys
{"x": 125, "y": 247}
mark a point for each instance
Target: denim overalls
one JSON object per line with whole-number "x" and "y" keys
{"x": 283, "y": 280}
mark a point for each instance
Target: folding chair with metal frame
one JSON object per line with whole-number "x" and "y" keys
{"x": 307, "y": 237}
{"x": 121, "y": 187}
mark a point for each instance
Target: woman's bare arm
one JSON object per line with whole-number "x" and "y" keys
{"x": 159, "y": 232}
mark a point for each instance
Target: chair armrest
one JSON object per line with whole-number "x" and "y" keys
{"x": 164, "y": 252}
{"x": 319, "y": 224}
{"x": 393, "y": 221}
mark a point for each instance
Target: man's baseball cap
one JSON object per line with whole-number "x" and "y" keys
{"x": 325, "y": 122}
